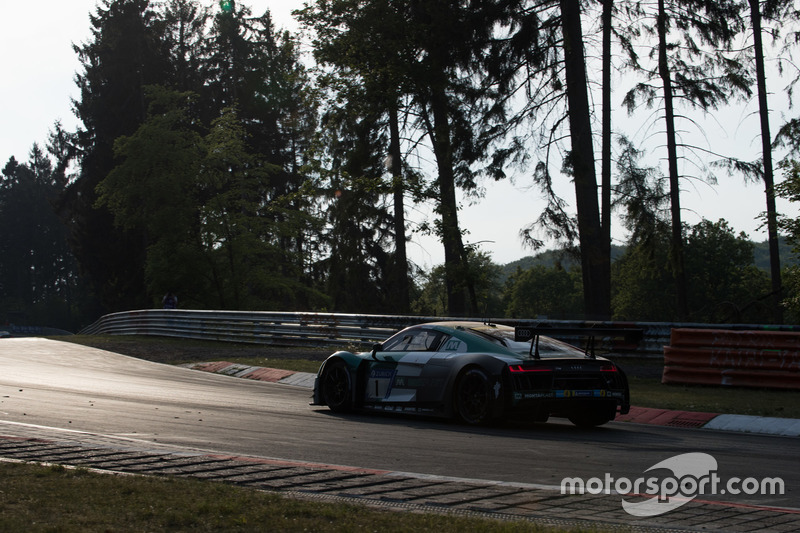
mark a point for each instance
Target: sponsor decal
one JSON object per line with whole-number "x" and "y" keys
{"x": 597, "y": 393}
{"x": 379, "y": 383}
{"x": 453, "y": 345}
{"x": 532, "y": 395}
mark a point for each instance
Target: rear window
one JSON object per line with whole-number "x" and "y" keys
{"x": 548, "y": 347}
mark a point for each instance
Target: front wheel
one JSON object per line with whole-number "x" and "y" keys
{"x": 336, "y": 388}
{"x": 473, "y": 397}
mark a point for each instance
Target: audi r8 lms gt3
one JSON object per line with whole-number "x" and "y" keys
{"x": 475, "y": 372}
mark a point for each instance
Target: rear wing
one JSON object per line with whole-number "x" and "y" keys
{"x": 532, "y": 334}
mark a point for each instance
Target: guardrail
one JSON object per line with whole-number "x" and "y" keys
{"x": 360, "y": 331}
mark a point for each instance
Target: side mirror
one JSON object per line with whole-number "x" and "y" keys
{"x": 375, "y": 349}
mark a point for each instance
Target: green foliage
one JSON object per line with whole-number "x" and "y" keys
{"x": 541, "y": 291}
{"x": 789, "y": 189}
{"x": 205, "y": 166}
{"x": 208, "y": 208}
{"x": 484, "y": 276}
{"x": 38, "y": 273}
{"x": 202, "y": 183}
{"x": 643, "y": 287}
{"x": 724, "y": 284}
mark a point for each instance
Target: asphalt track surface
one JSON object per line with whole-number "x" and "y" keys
{"x": 65, "y": 403}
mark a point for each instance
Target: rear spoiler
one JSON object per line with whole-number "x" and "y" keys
{"x": 532, "y": 333}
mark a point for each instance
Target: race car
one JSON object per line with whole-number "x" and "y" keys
{"x": 476, "y": 372}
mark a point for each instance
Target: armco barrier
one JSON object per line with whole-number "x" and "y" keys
{"x": 337, "y": 329}
{"x": 285, "y": 329}
{"x": 323, "y": 329}
{"x": 737, "y": 358}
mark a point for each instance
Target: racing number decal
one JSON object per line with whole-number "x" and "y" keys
{"x": 379, "y": 383}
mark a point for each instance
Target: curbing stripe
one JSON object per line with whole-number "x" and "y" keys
{"x": 786, "y": 427}
{"x": 273, "y": 375}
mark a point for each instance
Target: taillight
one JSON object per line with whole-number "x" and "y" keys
{"x": 608, "y": 368}
{"x": 520, "y": 368}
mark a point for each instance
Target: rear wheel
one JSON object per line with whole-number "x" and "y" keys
{"x": 336, "y": 387}
{"x": 473, "y": 397}
{"x": 590, "y": 419}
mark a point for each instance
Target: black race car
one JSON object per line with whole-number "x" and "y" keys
{"x": 475, "y": 372}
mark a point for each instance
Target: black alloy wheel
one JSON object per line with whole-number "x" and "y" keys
{"x": 336, "y": 387}
{"x": 473, "y": 397}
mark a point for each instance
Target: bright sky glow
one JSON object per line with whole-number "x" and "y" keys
{"x": 37, "y": 86}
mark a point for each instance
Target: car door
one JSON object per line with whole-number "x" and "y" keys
{"x": 395, "y": 376}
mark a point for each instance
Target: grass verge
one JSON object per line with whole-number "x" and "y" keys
{"x": 648, "y": 392}
{"x": 54, "y": 498}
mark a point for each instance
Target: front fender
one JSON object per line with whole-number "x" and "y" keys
{"x": 352, "y": 362}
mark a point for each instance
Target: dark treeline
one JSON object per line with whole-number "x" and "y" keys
{"x": 216, "y": 161}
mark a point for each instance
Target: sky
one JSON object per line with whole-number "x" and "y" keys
{"x": 37, "y": 86}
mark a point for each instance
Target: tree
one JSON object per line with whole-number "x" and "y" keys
{"x": 688, "y": 72}
{"x": 239, "y": 69}
{"x": 255, "y": 68}
{"x": 780, "y": 12}
{"x": 789, "y": 189}
{"x": 641, "y": 196}
{"x": 362, "y": 45}
{"x": 38, "y": 274}
{"x": 358, "y": 233}
{"x": 126, "y": 53}
{"x": 449, "y": 38}
{"x": 725, "y": 285}
{"x": 541, "y": 291}
{"x": 545, "y": 51}
{"x": 154, "y": 190}
{"x": 605, "y": 172}
{"x": 207, "y": 207}
{"x": 766, "y": 148}
{"x": 433, "y": 297}
{"x": 186, "y": 24}
{"x": 428, "y": 55}
{"x": 595, "y": 249}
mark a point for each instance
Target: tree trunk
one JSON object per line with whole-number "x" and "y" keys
{"x": 400, "y": 264}
{"x": 766, "y": 148}
{"x": 455, "y": 270}
{"x": 596, "y": 265}
{"x": 678, "y": 268}
{"x": 605, "y": 189}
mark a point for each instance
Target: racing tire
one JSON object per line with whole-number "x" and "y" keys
{"x": 336, "y": 387}
{"x": 472, "y": 400}
{"x": 591, "y": 419}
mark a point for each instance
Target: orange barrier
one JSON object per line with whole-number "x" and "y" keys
{"x": 735, "y": 358}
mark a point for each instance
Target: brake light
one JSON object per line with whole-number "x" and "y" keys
{"x": 608, "y": 368}
{"x": 520, "y": 368}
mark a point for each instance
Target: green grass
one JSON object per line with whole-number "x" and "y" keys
{"x": 38, "y": 498}
{"x": 648, "y": 392}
